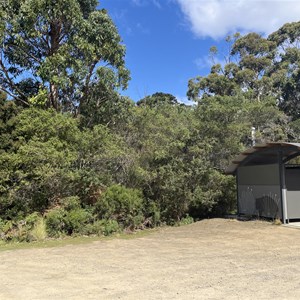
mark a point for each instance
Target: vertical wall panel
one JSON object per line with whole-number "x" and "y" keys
{"x": 293, "y": 192}
{"x": 259, "y": 191}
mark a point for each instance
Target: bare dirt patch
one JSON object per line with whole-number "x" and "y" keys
{"x": 211, "y": 259}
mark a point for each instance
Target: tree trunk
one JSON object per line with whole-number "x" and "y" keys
{"x": 54, "y": 33}
{"x": 54, "y": 96}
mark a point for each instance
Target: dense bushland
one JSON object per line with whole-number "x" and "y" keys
{"x": 155, "y": 165}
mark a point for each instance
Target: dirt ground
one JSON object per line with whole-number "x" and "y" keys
{"x": 211, "y": 259}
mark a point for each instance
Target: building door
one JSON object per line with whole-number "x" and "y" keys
{"x": 292, "y": 180}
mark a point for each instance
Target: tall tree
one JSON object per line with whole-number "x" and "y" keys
{"x": 246, "y": 69}
{"x": 158, "y": 99}
{"x": 56, "y": 53}
{"x": 286, "y": 69}
{"x": 258, "y": 68}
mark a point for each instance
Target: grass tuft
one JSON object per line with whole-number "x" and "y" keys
{"x": 39, "y": 232}
{"x": 277, "y": 222}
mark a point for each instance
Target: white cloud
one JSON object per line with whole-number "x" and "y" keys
{"x": 218, "y": 18}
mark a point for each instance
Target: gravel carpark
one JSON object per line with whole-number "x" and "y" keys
{"x": 210, "y": 259}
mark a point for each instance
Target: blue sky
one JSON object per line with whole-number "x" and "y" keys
{"x": 168, "y": 41}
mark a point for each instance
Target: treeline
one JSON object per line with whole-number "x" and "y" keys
{"x": 157, "y": 162}
{"x": 78, "y": 158}
{"x": 152, "y": 166}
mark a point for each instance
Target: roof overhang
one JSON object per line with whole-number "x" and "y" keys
{"x": 264, "y": 154}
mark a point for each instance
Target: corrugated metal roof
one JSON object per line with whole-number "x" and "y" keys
{"x": 266, "y": 153}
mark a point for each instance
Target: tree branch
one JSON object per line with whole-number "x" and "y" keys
{"x": 25, "y": 52}
{"x": 13, "y": 96}
{"x": 9, "y": 80}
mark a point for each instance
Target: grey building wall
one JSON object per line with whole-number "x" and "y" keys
{"x": 259, "y": 191}
{"x": 292, "y": 178}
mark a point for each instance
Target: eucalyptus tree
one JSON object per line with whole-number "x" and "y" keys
{"x": 245, "y": 70}
{"x": 57, "y": 53}
{"x": 286, "y": 68}
{"x": 259, "y": 68}
{"x": 158, "y": 99}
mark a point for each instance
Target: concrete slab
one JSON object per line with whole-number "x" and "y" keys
{"x": 293, "y": 225}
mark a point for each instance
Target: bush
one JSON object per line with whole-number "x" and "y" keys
{"x": 153, "y": 214}
{"x": 101, "y": 227}
{"x": 5, "y": 226}
{"x": 55, "y": 222}
{"x": 61, "y": 221}
{"x": 32, "y": 228}
{"x": 76, "y": 220}
{"x": 31, "y": 219}
{"x": 70, "y": 203}
{"x": 186, "y": 220}
{"x": 121, "y": 204}
{"x": 110, "y": 227}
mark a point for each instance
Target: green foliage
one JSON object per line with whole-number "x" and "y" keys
{"x": 32, "y": 228}
{"x": 152, "y": 211}
{"x": 102, "y": 227}
{"x": 59, "y": 48}
{"x": 71, "y": 203}
{"x": 55, "y": 222}
{"x": 121, "y": 204}
{"x": 8, "y": 121}
{"x": 102, "y": 160}
{"x": 158, "y": 99}
{"x": 39, "y": 170}
{"x": 258, "y": 68}
{"x": 76, "y": 219}
{"x": 215, "y": 197}
{"x": 186, "y": 220}
{"x": 54, "y": 159}
{"x": 178, "y": 150}
{"x": 61, "y": 222}
{"x": 110, "y": 227}
{"x": 111, "y": 110}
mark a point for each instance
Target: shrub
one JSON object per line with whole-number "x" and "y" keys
{"x": 61, "y": 221}
{"x": 76, "y": 220}
{"x": 31, "y": 228}
{"x": 110, "y": 226}
{"x": 101, "y": 227}
{"x": 71, "y": 203}
{"x": 6, "y": 227}
{"x": 186, "y": 220}
{"x": 152, "y": 213}
{"x": 55, "y": 222}
{"x": 3, "y": 229}
{"x": 121, "y": 204}
{"x": 15, "y": 231}
{"x": 31, "y": 219}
